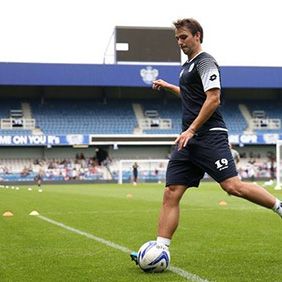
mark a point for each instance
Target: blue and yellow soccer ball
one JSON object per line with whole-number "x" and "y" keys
{"x": 153, "y": 257}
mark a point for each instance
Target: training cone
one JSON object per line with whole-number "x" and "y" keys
{"x": 7, "y": 214}
{"x": 222, "y": 203}
{"x": 34, "y": 213}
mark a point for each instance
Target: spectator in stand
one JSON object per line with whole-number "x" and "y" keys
{"x": 235, "y": 154}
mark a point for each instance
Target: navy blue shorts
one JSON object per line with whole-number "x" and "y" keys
{"x": 209, "y": 152}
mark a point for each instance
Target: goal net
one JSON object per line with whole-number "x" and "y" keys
{"x": 148, "y": 170}
{"x": 278, "y": 165}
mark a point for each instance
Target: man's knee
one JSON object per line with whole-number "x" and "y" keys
{"x": 172, "y": 195}
{"x": 233, "y": 186}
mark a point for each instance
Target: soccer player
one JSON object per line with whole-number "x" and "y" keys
{"x": 135, "y": 173}
{"x": 38, "y": 179}
{"x": 203, "y": 144}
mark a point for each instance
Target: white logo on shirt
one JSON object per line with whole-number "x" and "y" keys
{"x": 191, "y": 67}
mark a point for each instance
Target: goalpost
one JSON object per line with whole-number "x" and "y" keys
{"x": 148, "y": 170}
{"x": 278, "y": 165}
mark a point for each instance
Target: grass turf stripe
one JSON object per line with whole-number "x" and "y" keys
{"x": 176, "y": 270}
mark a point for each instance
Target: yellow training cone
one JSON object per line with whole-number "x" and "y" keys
{"x": 7, "y": 214}
{"x": 34, "y": 213}
{"x": 222, "y": 203}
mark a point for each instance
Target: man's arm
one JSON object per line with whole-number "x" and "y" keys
{"x": 210, "y": 105}
{"x": 161, "y": 84}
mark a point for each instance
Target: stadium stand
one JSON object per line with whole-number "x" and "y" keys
{"x": 167, "y": 110}
{"x": 24, "y": 132}
{"x": 84, "y": 117}
{"x": 267, "y": 114}
{"x": 79, "y": 100}
{"x": 9, "y": 109}
{"x": 6, "y": 106}
{"x": 65, "y": 116}
{"x": 234, "y": 119}
{"x": 272, "y": 109}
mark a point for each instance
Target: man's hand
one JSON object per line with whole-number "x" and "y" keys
{"x": 183, "y": 138}
{"x": 158, "y": 84}
{"x": 162, "y": 84}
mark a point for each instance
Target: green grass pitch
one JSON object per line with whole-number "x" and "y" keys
{"x": 238, "y": 241}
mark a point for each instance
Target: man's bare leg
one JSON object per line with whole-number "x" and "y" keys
{"x": 252, "y": 192}
{"x": 169, "y": 214}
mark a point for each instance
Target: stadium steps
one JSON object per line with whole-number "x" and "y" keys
{"x": 27, "y": 113}
{"x": 37, "y": 131}
{"x": 138, "y": 111}
{"x": 26, "y": 110}
{"x": 247, "y": 116}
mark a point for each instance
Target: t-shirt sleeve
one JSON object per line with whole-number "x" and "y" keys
{"x": 209, "y": 73}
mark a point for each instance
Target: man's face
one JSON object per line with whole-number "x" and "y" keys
{"x": 186, "y": 41}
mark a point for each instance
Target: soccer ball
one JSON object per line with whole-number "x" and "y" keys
{"x": 153, "y": 257}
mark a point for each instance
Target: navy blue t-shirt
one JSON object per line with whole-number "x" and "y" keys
{"x": 197, "y": 76}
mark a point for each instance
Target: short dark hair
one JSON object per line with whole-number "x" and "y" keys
{"x": 191, "y": 24}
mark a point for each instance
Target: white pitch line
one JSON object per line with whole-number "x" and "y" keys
{"x": 187, "y": 275}
{"x": 88, "y": 235}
